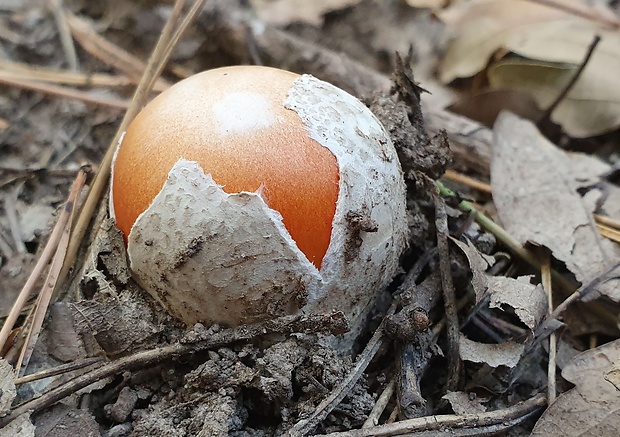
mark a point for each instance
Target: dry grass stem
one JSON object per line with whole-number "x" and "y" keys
{"x": 45, "y": 296}
{"x": 64, "y": 92}
{"x": 64, "y": 32}
{"x": 50, "y": 248}
{"x": 545, "y": 273}
{"x": 109, "y": 53}
{"x": 468, "y": 181}
{"x": 379, "y": 407}
{"x": 17, "y": 70}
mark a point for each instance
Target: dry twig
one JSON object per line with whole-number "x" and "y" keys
{"x": 50, "y": 248}
{"x": 454, "y": 360}
{"x": 497, "y": 421}
{"x": 45, "y": 296}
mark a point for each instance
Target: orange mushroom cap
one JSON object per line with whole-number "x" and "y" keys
{"x": 233, "y": 122}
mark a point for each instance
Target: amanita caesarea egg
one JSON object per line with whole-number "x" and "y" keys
{"x": 246, "y": 193}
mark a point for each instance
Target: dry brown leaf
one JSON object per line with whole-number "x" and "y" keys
{"x": 529, "y": 301}
{"x": 483, "y": 26}
{"x": 504, "y": 354}
{"x": 486, "y": 105}
{"x": 283, "y": 12}
{"x": 534, "y": 191}
{"x": 592, "y": 408}
{"x": 540, "y": 33}
{"x": 478, "y": 266}
{"x": 592, "y": 107}
{"x": 63, "y": 342}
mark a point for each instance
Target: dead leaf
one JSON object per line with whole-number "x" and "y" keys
{"x": 486, "y": 105}
{"x": 283, "y": 12}
{"x": 504, "y": 354}
{"x": 478, "y": 267}
{"x": 462, "y": 403}
{"x": 542, "y": 33}
{"x": 481, "y": 27}
{"x": 536, "y": 199}
{"x": 63, "y": 342}
{"x": 613, "y": 375}
{"x": 529, "y": 301}
{"x": 592, "y": 408}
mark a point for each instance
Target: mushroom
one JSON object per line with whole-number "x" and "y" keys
{"x": 245, "y": 193}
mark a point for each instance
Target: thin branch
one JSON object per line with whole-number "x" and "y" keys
{"x": 379, "y": 407}
{"x": 45, "y": 296}
{"x": 546, "y": 116}
{"x": 452, "y": 328}
{"x": 58, "y": 370}
{"x": 545, "y": 273}
{"x": 28, "y": 288}
{"x": 450, "y": 422}
{"x": 60, "y": 15}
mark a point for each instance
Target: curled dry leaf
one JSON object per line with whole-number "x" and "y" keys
{"x": 529, "y": 301}
{"x": 553, "y": 42}
{"x": 478, "y": 265}
{"x": 537, "y": 201}
{"x": 592, "y": 408}
{"x": 505, "y": 354}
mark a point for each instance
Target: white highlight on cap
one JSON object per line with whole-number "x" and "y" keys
{"x": 243, "y": 113}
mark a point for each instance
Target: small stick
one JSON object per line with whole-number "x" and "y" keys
{"x": 45, "y": 296}
{"x": 21, "y": 71}
{"x": 545, "y": 117}
{"x": 379, "y": 407}
{"x": 452, "y": 327}
{"x": 11, "y": 213}
{"x": 468, "y": 181}
{"x": 545, "y": 274}
{"x": 26, "y": 291}
{"x": 65, "y": 92}
{"x": 607, "y": 221}
{"x": 609, "y": 232}
{"x": 60, "y": 15}
{"x": 108, "y": 52}
{"x": 452, "y": 421}
{"x": 58, "y": 370}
